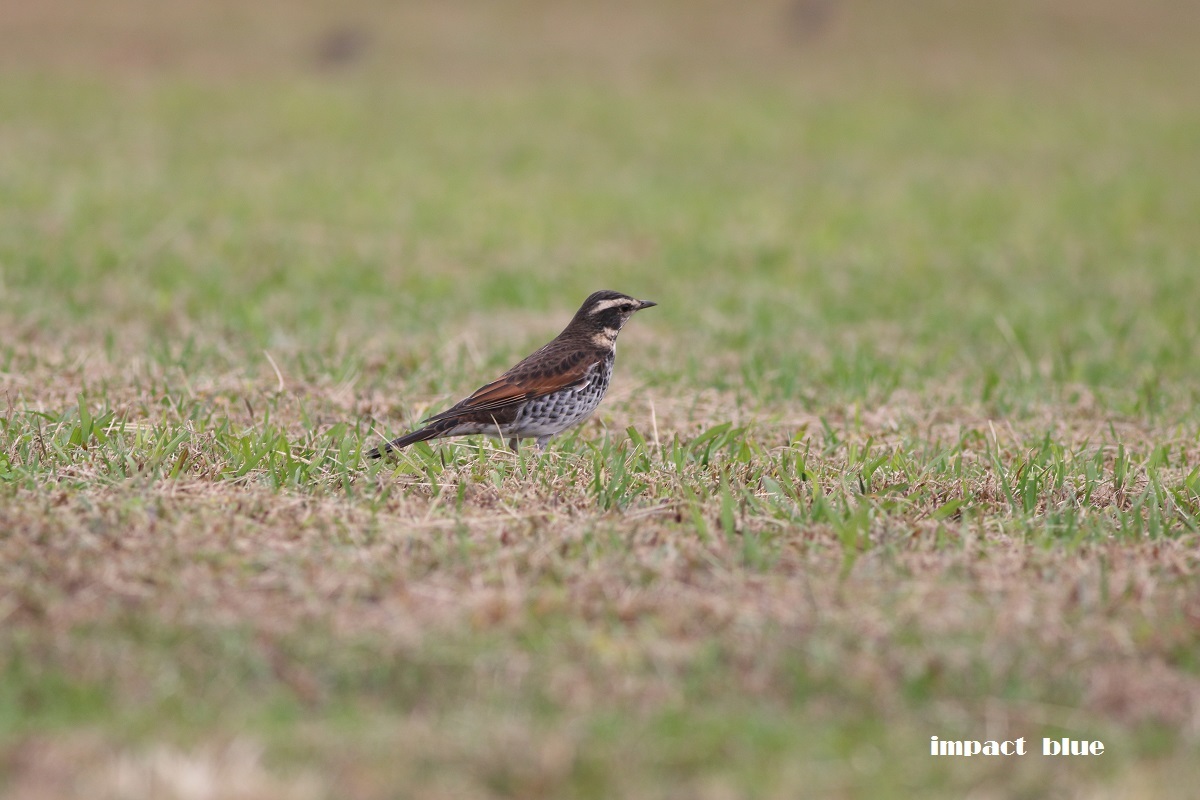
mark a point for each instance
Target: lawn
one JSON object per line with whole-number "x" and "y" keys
{"x": 910, "y": 446}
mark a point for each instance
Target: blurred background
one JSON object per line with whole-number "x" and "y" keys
{"x": 875, "y": 194}
{"x": 800, "y": 43}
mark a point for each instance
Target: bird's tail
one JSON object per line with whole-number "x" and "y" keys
{"x": 421, "y": 435}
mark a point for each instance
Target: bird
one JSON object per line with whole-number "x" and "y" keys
{"x": 558, "y": 386}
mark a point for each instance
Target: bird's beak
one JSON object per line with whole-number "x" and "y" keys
{"x": 646, "y": 304}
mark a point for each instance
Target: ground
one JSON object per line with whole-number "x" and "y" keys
{"x": 910, "y": 446}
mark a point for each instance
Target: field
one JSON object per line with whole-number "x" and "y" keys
{"x": 910, "y": 446}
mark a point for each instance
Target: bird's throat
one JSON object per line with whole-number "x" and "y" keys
{"x": 606, "y": 338}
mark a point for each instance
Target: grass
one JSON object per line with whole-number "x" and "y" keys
{"x": 910, "y": 446}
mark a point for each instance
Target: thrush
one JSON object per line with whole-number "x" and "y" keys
{"x": 558, "y": 386}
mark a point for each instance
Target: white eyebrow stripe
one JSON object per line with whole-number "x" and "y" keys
{"x": 605, "y": 305}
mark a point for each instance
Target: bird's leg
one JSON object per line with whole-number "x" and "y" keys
{"x": 542, "y": 441}
{"x": 513, "y": 443}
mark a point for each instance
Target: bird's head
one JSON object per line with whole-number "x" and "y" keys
{"x": 604, "y": 313}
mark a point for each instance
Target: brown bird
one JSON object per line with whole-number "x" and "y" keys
{"x": 558, "y": 386}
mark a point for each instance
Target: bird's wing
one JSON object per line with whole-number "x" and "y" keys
{"x": 524, "y": 382}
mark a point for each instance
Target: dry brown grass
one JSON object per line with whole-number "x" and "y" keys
{"x": 1106, "y": 623}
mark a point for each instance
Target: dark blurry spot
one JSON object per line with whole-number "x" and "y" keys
{"x": 339, "y": 47}
{"x": 808, "y": 19}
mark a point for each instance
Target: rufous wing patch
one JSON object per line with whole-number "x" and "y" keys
{"x": 516, "y": 387}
